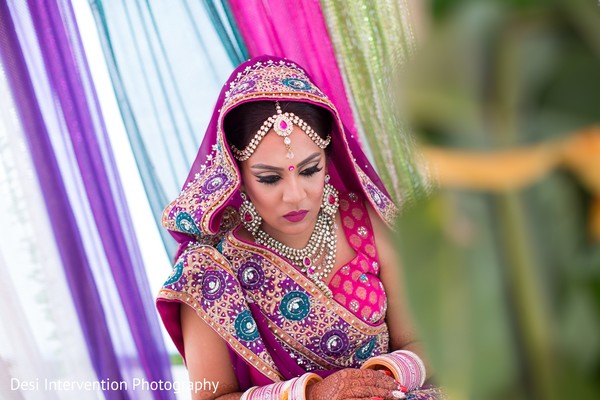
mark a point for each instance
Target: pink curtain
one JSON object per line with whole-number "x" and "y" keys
{"x": 297, "y": 32}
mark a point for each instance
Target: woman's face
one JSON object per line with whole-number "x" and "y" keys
{"x": 286, "y": 192}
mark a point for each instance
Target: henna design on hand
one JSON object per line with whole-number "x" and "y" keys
{"x": 353, "y": 384}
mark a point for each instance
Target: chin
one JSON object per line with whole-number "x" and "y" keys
{"x": 293, "y": 228}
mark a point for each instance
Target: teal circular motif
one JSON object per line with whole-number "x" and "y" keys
{"x": 365, "y": 351}
{"x": 176, "y": 274}
{"x": 297, "y": 84}
{"x": 245, "y": 326}
{"x": 185, "y": 223}
{"x": 295, "y": 306}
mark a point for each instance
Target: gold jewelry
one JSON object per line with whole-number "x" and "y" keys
{"x": 250, "y": 217}
{"x": 330, "y": 202}
{"x": 321, "y": 245}
{"x": 283, "y": 124}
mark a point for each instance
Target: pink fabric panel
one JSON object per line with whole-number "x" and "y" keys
{"x": 295, "y": 30}
{"x": 356, "y": 285}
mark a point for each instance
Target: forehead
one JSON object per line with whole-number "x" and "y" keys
{"x": 272, "y": 150}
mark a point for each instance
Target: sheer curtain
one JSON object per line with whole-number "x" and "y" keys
{"x": 167, "y": 62}
{"x": 98, "y": 294}
{"x": 373, "y": 39}
{"x": 40, "y": 337}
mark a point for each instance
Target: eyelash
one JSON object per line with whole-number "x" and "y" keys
{"x": 273, "y": 179}
{"x": 269, "y": 180}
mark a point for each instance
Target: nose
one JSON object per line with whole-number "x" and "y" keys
{"x": 294, "y": 191}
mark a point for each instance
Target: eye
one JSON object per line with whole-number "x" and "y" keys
{"x": 311, "y": 170}
{"x": 269, "y": 179}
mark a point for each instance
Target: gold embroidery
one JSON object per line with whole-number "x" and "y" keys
{"x": 370, "y": 249}
{"x": 218, "y": 314}
{"x": 339, "y": 297}
{"x": 373, "y": 297}
{"x": 344, "y": 205}
{"x": 348, "y": 287}
{"x": 239, "y": 251}
{"x": 355, "y": 241}
{"x": 365, "y": 312}
{"x": 348, "y": 222}
{"x": 361, "y": 293}
{"x": 335, "y": 282}
{"x": 357, "y": 213}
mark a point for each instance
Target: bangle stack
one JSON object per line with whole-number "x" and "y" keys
{"x": 298, "y": 385}
{"x": 293, "y": 389}
{"x": 408, "y": 369}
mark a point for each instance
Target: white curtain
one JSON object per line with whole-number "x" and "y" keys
{"x": 40, "y": 337}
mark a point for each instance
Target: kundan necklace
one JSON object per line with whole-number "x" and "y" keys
{"x": 321, "y": 245}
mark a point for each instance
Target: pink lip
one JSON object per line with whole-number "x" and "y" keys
{"x": 296, "y": 216}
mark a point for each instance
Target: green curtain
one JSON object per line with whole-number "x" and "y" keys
{"x": 373, "y": 40}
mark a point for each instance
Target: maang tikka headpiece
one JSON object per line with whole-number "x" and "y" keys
{"x": 283, "y": 124}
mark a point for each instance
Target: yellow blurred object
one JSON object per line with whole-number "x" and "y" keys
{"x": 516, "y": 168}
{"x": 581, "y": 154}
{"x": 492, "y": 171}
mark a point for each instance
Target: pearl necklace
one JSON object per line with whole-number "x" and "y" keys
{"x": 323, "y": 240}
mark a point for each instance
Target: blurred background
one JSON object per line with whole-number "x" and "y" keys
{"x": 482, "y": 118}
{"x": 503, "y": 257}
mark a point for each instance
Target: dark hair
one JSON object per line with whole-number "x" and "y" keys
{"x": 242, "y": 123}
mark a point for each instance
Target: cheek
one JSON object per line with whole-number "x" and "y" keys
{"x": 262, "y": 196}
{"x": 249, "y": 185}
{"x": 316, "y": 191}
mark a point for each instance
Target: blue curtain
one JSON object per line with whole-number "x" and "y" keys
{"x": 167, "y": 62}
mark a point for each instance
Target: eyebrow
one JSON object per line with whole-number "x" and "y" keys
{"x": 278, "y": 169}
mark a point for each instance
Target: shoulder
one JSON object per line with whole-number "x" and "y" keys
{"x": 380, "y": 228}
{"x": 201, "y": 255}
{"x": 384, "y": 241}
{"x": 193, "y": 265}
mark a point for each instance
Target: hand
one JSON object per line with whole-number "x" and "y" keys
{"x": 355, "y": 384}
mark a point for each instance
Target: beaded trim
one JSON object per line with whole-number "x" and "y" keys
{"x": 283, "y": 124}
{"x": 205, "y": 282}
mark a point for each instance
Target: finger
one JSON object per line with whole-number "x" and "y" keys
{"x": 373, "y": 373}
{"x": 379, "y": 379}
{"x": 378, "y": 374}
{"x": 372, "y": 398}
{"x": 372, "y": 391}
{"x": 353, "y": 373}
{"x": 379, "y": 382}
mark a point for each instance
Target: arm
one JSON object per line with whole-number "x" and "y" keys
{"x": 398, "y": 317}
{"x": 207, "y": 357}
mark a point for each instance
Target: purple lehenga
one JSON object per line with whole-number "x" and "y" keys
{"x": 276, "y": 322}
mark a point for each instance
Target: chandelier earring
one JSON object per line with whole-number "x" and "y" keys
{"x": 330, "y": 201}
{"x": 250, "y": 217}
